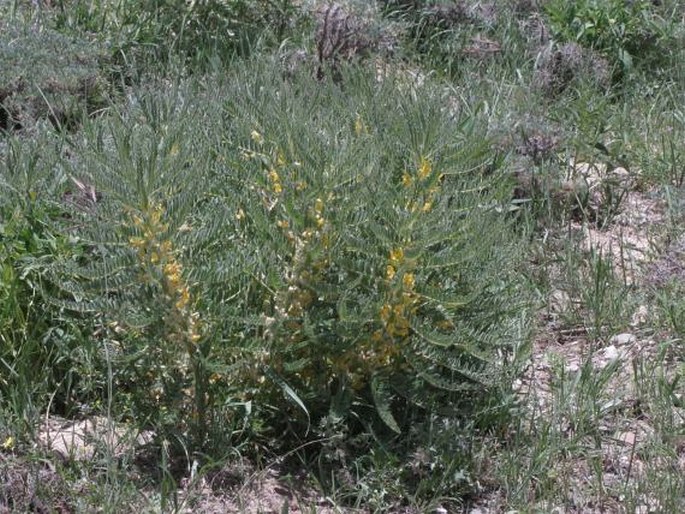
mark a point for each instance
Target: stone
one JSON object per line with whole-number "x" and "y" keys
{"x": 623, "y": 339}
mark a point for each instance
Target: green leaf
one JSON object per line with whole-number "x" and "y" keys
{"x": 288, "y": 391}
{"x": 625, "y": 58}
{"x": 382, "y": 398}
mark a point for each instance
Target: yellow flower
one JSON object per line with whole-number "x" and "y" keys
{"x": 257, "y": 137}
{"x": 172, "y": 269}
{"x": 408, "y": 281}
{"x": 240, "y": 214}
{"x": 8, "y": 444}
{"x": 318, "y": 206}
{"x": 275, "y": 181}
{"x": 195, "y": 337}
{"x": 154, "y": 258}
{"x": 183, "y": 298}
{"x": 165, "y": 247}
{"x": 156, "y": 212}
{"x": 425, "y": 168}
{"x": 396, "y": 255}
{"x": 320, "y": 221}
{"x": 282, "y": 224}
{"x": 427, "y": 206}
{"x": 406, "y": 179}
{"x": 390, "y": 272}
{"x": 386, "y": 311}
{"x": 273, "y": 176}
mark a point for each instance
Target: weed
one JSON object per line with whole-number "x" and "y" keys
{"x": 625, "y": 34}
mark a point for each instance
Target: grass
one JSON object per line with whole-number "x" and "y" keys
{"x": 386, "y": 258}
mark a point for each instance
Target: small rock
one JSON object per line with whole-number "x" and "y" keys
{"x": 607, "y": 356}
{"x": 623, "y": 339}
{"x": 627, "y": 438}
{"x": 610, "y": 353}
{"x": 559, "y": 301}
{"x": 640, "y": 316}
{"x": 621, "y": 176}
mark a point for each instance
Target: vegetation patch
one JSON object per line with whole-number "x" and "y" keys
{"x": 48, "y": 76}
{"x": 398, "y": 256}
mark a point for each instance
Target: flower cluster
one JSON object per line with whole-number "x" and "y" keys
{"x": 161, "y": 266}
{"x": 385, "y": 347}
{"x": 423, "y": 185}
{"x": 401, "y": 304}
{"x": 272, "y": 163}
{"x": 275, "y": 181}
{"x": 309, "y": 260}
{"x": 312, "y": 239}
{"x": 308, "y": 236}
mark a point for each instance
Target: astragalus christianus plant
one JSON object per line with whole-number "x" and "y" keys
{"x": 342, "y": 256}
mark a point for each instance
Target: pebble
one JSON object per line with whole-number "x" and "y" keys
{"x": 623, "y": 339}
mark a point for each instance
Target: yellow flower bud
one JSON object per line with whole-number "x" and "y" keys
{"x": 172, "y": 269}
{"x": 183, "y": 298}
{"x": 408, "y": 281}
{"x": 425, "y": 168}
{"x": 273, "y": 176}
{"x": 396, "y": 255}
{"x": 406, "y": 179}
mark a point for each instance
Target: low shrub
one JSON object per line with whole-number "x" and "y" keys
{"x": 48, "y": 355}
{"x": 626, "y": 33}
{"x": 48, "y": 76}
{"x": 162, "y": 31}
{"x": 330, "y": 260}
